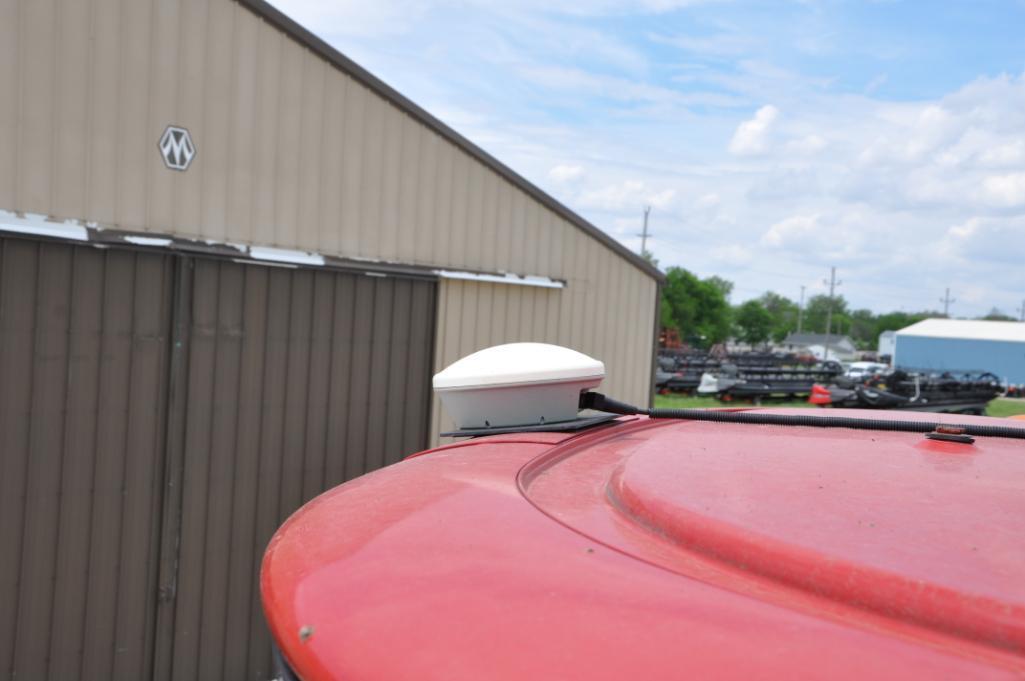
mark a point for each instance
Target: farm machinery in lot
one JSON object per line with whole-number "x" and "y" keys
{"x": 755, "y": 383}
{"x": 960, "y": 392}
{"x": 683, "y": 372}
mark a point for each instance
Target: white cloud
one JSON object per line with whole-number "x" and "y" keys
{"x": 732, "y": 43}
{"x": 965, "y": 230}
{"x": 630, "y": 195}
{"x": 390, "y": 17}
{"x": 904, "y": 196}
{"x": 807, "y": 145}
{"x": 1005, "y": 153}
{"x": 990, "y": 240}
{"x": 565, "y": 172}
{"x": 662, "y": 199}
{"x": 354, "y": 17}
{"x": 1006, "y": 190}
{"x": 875, "y": 83}
{"x": 752, "y": 137}
{"x": 606, "y": 7}
{"x": 732, "y": 254}
{"x": 796, "y": 227}
{"x": 709, "y": 201}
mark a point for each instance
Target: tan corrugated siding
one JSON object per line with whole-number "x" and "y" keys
{"x": 613, "y": 315}
{"x": 292, "y": 152}
{"x": 10, "y": 103}
{"x": 295, "y": 153}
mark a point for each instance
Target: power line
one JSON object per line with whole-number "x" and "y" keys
{"x": 910, "y": 302}
{"x": 947, "y": 300}
{"x": 644, "y": 234}
{"x": 800, "y": 311}
{"x": 833, "y": 283}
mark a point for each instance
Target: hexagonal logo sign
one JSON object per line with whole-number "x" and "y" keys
{"x": 177, "y": 148}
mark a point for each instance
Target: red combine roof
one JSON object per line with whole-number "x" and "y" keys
{"x": 663, "y": 549}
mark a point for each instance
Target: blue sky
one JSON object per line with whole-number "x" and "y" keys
{"x": 773, "y": 139}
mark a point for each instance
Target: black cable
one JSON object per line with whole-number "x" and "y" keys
{"x": 599, "y": 402}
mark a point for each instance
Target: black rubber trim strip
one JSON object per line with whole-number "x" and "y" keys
{"x": 599, "y": 402}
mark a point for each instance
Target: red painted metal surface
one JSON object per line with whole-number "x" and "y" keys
{"x": 663, "y": 549}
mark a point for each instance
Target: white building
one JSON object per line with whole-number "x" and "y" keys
{"x": 964, "y": 345}
{"x": 887, "y": 343}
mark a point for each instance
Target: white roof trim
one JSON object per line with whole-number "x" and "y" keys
{"x": 39, "y": 225}
{"x": 148, "y": 241}
{"x": 285, "y": 255}
{"x": 966, "y": 329}
{"x": 78, "y": 230}
{"x": 513, "y": 279}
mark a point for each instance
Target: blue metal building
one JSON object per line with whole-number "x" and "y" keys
{"x": 959, "y": 344}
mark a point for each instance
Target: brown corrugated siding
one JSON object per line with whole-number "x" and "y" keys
{"x": 83, "y": 343}
{"x": 299, "y": 380}
{"x": 140, "y": 485}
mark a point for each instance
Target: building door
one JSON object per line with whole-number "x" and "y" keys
{"x": 83, "y": 357}
{"x": 297, "y": 380}
{"x": 160, "y": 416}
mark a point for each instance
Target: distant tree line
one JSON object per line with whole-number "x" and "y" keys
{"x": 700, "y": 312}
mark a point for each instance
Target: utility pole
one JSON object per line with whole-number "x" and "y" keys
{"x": 947, "y": 300}
{"x": 644, "y": 234}
{"x": 833, "y": 283}
{"x": 800, "y": 311}
{"x": 1021, "y": 312}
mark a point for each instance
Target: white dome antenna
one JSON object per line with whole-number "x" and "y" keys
{"x": 517, "y": 384}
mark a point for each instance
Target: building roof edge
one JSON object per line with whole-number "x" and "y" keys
{"x": 305, "y": 37}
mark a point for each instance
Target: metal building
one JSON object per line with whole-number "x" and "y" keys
{"x": 230, "y": 261}
{"x": 887, "y": 343}
{"x": 966, "y": 345}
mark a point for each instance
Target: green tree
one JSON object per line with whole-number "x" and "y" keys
{"x": 784, "y": 314}
{"x": 863, "y": 329}
{"x": 996, "y": 315}
{"x": 754, "y": 322}
{"x": 895, "y": 321}
{"x": 817, "y": 312}
{"x": 725, "y": 286}
{"x": 696, "y": 309}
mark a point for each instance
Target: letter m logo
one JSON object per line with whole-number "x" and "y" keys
{"x": 177, "y": 148}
